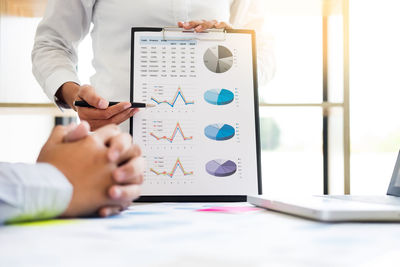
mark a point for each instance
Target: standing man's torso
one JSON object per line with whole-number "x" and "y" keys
{"x": 113, "y": 20}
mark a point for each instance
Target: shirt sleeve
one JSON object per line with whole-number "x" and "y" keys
{"x": 54, "y": 55}
{"x": 32, "y": 191}
{"x": 249, "y": 14}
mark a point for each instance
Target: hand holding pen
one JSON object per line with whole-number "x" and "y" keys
{"x": 102, "y": 112}
{"x": 84, "y": 104}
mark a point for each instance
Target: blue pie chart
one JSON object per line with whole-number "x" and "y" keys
{"x": 218, "y": 96}
{"x": 219, "y": 132}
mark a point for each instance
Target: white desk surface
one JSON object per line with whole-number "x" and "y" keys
{"x": 176, "y": 234}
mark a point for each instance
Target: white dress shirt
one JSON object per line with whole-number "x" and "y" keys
{"x": 32, "y": 191}
{"x": 67, "y": 22}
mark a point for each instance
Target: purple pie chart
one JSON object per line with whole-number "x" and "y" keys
{"x": 221, "y": 167}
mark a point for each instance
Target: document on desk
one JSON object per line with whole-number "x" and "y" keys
{"x": 201, "y": 138}
{"x": 184, "y": 234}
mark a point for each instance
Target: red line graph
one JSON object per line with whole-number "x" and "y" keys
{"x": 177, "y": 129}
{"x": 171, "y": 174}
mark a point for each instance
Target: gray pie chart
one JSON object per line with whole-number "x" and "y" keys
{"x": 218, "y": 59}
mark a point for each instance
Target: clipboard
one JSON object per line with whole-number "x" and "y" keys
{"x": 223, "y": 171}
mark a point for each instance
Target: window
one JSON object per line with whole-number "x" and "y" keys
{"x": 23, "y": 105}
{"x": 375, "y": 91}
{"x": 302, "y": 107}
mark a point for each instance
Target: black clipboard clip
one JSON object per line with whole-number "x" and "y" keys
{"x": 217, "y": 34}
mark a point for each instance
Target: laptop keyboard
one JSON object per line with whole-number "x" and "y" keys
{"x": 385, "y": 200}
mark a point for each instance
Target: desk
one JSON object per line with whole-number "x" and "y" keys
{"x": 177, "y": 234}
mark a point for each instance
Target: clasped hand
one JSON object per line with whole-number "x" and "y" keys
{"x": 104, "y": 168}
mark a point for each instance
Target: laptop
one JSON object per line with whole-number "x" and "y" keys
{"x": 331, "y": 208}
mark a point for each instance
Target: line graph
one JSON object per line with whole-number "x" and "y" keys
{"x": 172, "y": 103}
{"x": 173, "y": 171}
{"x": 177, "y": 129}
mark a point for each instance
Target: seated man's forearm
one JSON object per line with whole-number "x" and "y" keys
{"x": 32, "y": 191}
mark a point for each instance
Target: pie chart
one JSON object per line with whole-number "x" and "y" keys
{"x": 219, "y": 132}
{"x": 218, "y": 96}
{"x": 221, "y": 167}
{"x": 218, "y": 59}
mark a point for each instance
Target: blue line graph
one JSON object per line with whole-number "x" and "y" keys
{"x": 172, "y": 103}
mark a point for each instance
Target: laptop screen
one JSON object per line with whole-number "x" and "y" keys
{"x": 394, "y": 186}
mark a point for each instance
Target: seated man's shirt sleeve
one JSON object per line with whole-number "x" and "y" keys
{"x": 32, "y": 191}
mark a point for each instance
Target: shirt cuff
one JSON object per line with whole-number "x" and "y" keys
{"x": 55, "y": 81}
{"x": 46, "y": 192}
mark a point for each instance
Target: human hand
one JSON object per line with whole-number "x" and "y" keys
{"x": 127, "y": 176}
{"x": 102, "y": 114}
{"x": 76, "y": 132}
{"x": 131, "y": 171}
{"x": 86, "y": 164}
{"x": 202, "y": 25}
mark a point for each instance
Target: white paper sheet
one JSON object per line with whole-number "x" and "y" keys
{"x": 200, "y": 139}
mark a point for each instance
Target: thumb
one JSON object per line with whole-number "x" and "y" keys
{"x": 79, "y": 132}
{"x": 57, "y": 135}
{"x": 89, "y": 94}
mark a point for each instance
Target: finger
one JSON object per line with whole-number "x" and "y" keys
{"x": 88, "y": 94}
{"x": 121, "y": 117}
{"x": 192, "y": 24}
{"x": 222, "y": 25}
{"x": 80, "y": 131}
{"x": 180, "y": 24}
{"x": 105, "y": 133}
{"x": 127, "y": 178}
{"x": 124, "y": 193}
{"x": 109, "y": 211}
{"x": 103, "y": 114}
{"x": 198, "y": 28}
{"x": 96, "y": 124}
{"x": 70, "y": 127}
{"x": 186, "y": 26}
{"x": 133, "y": 152}
{"x": 135, "y": 110}
{"x": 130, "y": 172}
{"x": 57, "y": 135}
{"x": 119, "y": 145}
{"x": 206, "y": 24}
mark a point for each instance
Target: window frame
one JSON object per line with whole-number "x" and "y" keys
{"x": 326, "y": 105}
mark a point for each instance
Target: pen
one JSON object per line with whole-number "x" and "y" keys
{"x": 84, "y": 104}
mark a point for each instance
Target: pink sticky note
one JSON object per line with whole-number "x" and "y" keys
{"x": 229, "y": 209}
